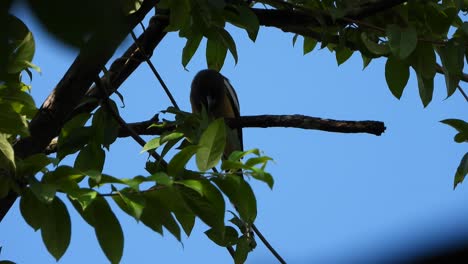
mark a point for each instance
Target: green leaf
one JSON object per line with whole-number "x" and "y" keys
{"x": 105, "y": 127}
{"x": 211, "y": 145}
{"x": 215, "y": 52}
{"x": 262, "y": 175}
{"x": 178, "y": 162}
{"x": 32, "y": 209}
{"x": 242, "y": 249}
{"x": 151, "y": 144}
{"x": 131, "y": 6}
{"x": 425, "y": 61}
{"x": 161, "y": 178}
{"x": 171, "y": 136}
{"x": 83, "y": 196}
{"x": 56, "y": 228}
{"x": 426, "y": 88}
{"x": 397, "y": 75}
{"x": 228, "y": 42}
{"x": 461, "y": 126}
{"x": 179, "y": 14}
{"x": 342, "y": 55}
{"x": 452, "y": 55}
{"x": 373, "y": 46}
{"x": 191, "y": 46}
{"x": 90, "y": 158}
{"x": 12, "y": 122}
{"x": 21, "y": 101}
{"x": 32, "y": 164}
{"x": 402, "y": 42}
{"x": 206, "y": 202}
{"x": 7, "y": 156}
{"x": 131, "y": 203}
{"x": 245, "y": 18}
{"x": 22, "y": 54}
{"x": 223, "y": 239}
{"x": 461, "y": 171}
{"x": 73, "y": 135}
{"x": 308, "y": 45}
{"x": 157, "y": 211}
{"x": 43, "y": 191}
{"x": 240, "y": 194}
{"x": 106, "y": 226}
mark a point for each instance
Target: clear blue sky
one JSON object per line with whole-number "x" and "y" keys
{"x": 338, "y": 198}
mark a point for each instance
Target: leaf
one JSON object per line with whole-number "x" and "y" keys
{"x": 83, "y": 196}
{"x": 396, "y": 75}
{"x": 90, "y": 158}
{"x": 461, "y": 126}
{"x": 22, "y": 54}
{"x": 132, "y": 202}
{"x": 402, "y": 42}
{"x": 223, "y": 239}
{"x": 32, "y": 209}
{"x": 151, "y": 144}
{"x": 215, "y": 52}
{"x": 32, "y": 164}
{"x": 156, "y": 212}
{"x": 462, "y": 170}
{"x": 43, "y": 191}
{"x": 178, "y": 162}
{"x": 242, "y": 250}
{"x": 12, "y": 122}
{"x": 262, "y": 175}
{"x": 191, "y": 46}
{"x": 426, "y": 88}
{"x": 425, "y": 60}
{"x": 342, "y": 55}
{"x": 374, "y": 47}
{"x": 56, "y": 228}
{"x": 308, "y": 45}
{"x": 211, "y": 145}
{"x": 245, "y": 18}
{"x": 179, "y": 14}
{"x": 240, "y": 194}
{"x": 205, "y": 201}
{"x": 7, "y": 156}
{"x": 106, "y": 226}
{"x": 131, "y": 6}
{"x": 105, "y": 127}
{"x": 161, "y": 178}
{"x": 73, "y": 135}
{"x": 228, "y": 42}
{"x": 451, "y": 55}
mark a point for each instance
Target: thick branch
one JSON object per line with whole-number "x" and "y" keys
{"x": 71, "y": 89}
{"x": 264, "y": 121}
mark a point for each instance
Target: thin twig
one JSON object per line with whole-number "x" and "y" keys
{"x": 124, "y": 124}
{"x": 155, "y": 72}
{"x": 268, "y": 245}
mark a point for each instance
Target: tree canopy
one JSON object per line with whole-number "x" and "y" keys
{"x": 78, "y": 117}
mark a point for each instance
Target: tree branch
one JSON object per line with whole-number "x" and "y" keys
{"x": 259, "y": 121}
{"x": 71, "y": 89}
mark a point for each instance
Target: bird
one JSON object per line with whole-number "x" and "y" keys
{"x": 213, "y": 91}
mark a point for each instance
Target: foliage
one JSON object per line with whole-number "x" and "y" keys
{"x": 410, "y": 35}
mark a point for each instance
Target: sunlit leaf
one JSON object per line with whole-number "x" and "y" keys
{"x": 211, "y": 145}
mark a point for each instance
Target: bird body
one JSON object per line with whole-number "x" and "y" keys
{"x": 214, "y": 92}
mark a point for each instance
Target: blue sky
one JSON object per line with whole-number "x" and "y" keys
{"x": 338, "y": 198}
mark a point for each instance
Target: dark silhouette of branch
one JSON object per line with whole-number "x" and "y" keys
{"x": 263, "y": 121}
{"x": 71, "y": 89}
